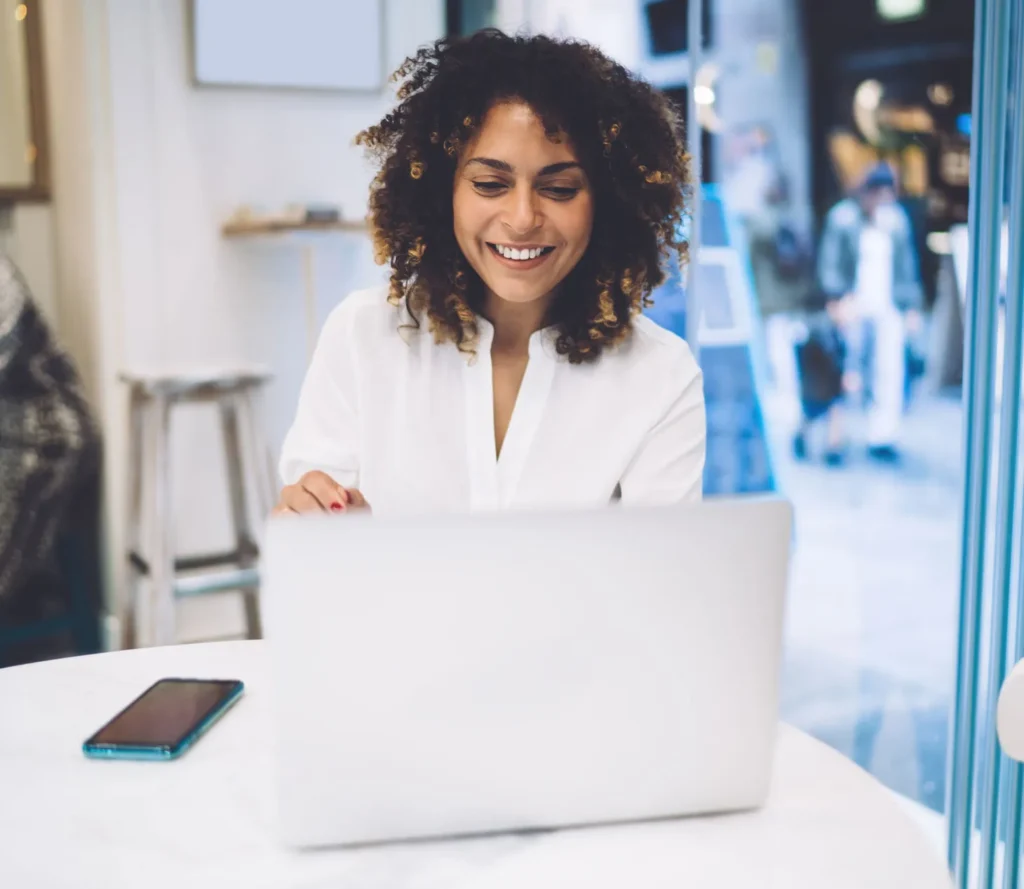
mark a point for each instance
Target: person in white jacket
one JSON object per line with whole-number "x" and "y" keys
{"x": 868, "y": 269}
{"x": 528, "y": 191}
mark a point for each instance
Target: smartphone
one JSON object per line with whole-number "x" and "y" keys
{"x": 165, "y": 720}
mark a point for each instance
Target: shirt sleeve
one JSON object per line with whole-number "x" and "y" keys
{"x": 907, "y": 293}
{"x": 669, "y": 466}
{"x": 325, "y": 435}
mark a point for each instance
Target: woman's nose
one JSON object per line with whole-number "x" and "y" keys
{"x": 521, "y": 216}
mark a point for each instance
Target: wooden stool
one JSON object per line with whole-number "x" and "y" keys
{"x": 150, "y": 620}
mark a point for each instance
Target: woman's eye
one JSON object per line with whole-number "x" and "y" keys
{"x": 561, "y": 192}
{"x": 489, "y": 186}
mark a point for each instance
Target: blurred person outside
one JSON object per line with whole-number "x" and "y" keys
{"x": 756, "y": 193}
{"x": 868, "y": 273}
{"x": 820, "y": 358}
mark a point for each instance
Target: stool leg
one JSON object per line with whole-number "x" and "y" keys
{"x": 128, "y": 607}
{"x": 253, "y": 624}
{"x": 160, "y": 627}
{"x": 263, "y": 471}
{"x": 245, "y": 542}
{"x": 261, "y": 477}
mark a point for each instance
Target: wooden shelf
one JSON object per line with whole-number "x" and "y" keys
{"x": 272, "y": 227}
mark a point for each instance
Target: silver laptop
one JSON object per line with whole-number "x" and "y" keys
{"x": 446, "y": 675}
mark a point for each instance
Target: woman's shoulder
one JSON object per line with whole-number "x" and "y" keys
{"x": 652, "y": 370}
{"x": 364, "y": 313}
{"x": 654, "y": 349}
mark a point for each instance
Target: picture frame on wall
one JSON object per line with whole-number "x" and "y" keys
{"x": 24, "y": 137}
{"x": 335, "y": 45}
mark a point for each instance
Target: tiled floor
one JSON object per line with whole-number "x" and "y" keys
{"x": 872, "y": 615}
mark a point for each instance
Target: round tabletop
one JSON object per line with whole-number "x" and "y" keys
{"x": 208, "y": 818}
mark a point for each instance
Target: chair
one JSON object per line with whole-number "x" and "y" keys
{"x": 150, "y": 619}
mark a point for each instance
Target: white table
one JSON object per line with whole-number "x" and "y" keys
{"x": 208, "y": 819}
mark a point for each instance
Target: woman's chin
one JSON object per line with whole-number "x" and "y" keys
{"x": 519, "y": 297}
{"x": 520, "y": 292}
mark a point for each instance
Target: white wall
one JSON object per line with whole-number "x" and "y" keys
{"x": 611, "y": 25}
{"x": 26, "y": 235}
{"x": 147, "y": 168}
{"x": 86, "y": 297}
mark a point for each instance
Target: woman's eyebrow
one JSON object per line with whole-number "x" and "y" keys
{"x": 551, "y": 169}
{"x": 505, "y": 167}
{"x": 492, "y": 163}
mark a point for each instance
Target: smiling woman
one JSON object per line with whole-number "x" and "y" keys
{"x": 528, "y": 191}
{"x": 522, "y": 203}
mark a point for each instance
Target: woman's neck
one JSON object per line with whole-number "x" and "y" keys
{"x": 514, "y": 323}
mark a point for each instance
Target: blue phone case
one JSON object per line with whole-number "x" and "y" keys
{"x": 163, "y": 752}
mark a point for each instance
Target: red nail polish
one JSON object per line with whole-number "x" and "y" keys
{"x": 337, "y": 507}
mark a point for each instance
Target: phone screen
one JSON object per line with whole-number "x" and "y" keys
{"x": 166, "y": 713}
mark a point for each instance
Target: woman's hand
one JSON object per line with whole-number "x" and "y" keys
{"x": 318, "y": 492}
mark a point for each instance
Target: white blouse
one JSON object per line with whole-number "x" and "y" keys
{"x": 411, "y": 423}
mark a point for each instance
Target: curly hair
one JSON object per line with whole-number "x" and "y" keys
{"x": 626, "y": 136}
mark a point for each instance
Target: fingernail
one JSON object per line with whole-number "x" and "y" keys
{"x": 337, "y": 507}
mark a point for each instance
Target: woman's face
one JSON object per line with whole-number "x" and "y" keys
{"x": 522, "y": 205}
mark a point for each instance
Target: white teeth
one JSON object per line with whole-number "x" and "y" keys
{"x": 514, "y": 253}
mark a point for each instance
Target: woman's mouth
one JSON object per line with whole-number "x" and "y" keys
{"x": 521, "y": 258}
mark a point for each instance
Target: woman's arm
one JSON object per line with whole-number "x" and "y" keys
{"x": 325, "y": 436}
{"x": 669, "y": 465}
{"x": 907, "y": 292}
{"x": 833, "y": 269}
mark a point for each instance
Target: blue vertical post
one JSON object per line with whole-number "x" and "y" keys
{"x": 1011, "y": 786}
{"x": 991, "y": 66}
{"x": 694, "y": 46}
{"x": 992, "y": 800}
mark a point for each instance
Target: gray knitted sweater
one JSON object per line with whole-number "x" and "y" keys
{"x": 48, "y": 440}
